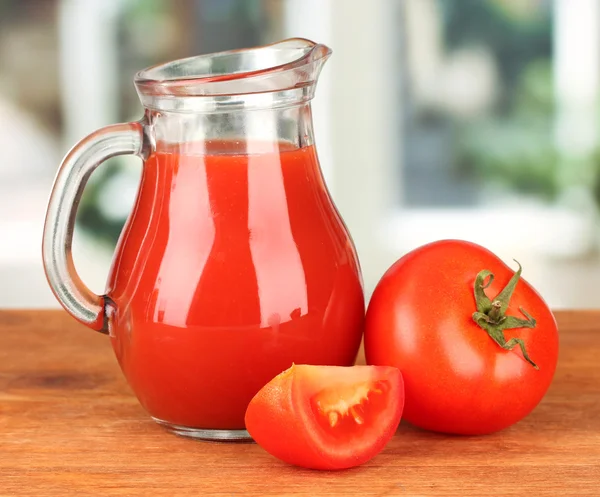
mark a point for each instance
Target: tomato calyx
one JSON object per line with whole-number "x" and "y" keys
{"x": 491, "y": 314}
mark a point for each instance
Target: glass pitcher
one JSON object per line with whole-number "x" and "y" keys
{"x": 234, "y": 262}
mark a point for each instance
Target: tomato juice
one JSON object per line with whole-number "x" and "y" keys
{"x": 233, "y": 264}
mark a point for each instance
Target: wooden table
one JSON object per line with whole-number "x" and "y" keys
{"x": 69, "y": 425}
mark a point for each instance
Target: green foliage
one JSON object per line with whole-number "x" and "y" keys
{"x": 534, "y": 94}
{"x": 89, "y": 215}
{"x": 516, "y": 154}
{"x": 518, "y": 150}
{"x": 514, "y": 147}
{"x": 516, "y": 36}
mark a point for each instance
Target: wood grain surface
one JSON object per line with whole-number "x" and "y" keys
{"x": 69, "y": 425}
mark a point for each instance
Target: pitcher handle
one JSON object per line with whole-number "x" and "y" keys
{"x": 74, "y": 172}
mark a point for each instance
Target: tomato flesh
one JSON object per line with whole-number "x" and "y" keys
{"x": 327, "y": 417}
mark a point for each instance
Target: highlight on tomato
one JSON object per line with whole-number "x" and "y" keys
{"x": 327, "y": 417}
{"x": 476, "y": 344}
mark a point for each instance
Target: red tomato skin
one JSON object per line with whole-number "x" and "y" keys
{"x": 457, "y": 379}
{"x": 274, "y": 422}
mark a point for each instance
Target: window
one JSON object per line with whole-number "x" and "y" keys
{"x": 474, "y": 119}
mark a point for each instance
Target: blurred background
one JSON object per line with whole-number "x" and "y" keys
{"x": 473, "y": 119}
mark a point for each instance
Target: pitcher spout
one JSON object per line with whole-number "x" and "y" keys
{"x": 290, "y": 68}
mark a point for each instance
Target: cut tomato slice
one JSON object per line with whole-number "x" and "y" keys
{"x": 327, "y": 417}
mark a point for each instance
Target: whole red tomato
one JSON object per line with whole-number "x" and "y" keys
{"x": 446, "y": 315}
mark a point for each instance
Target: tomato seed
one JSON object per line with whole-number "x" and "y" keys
{"x": 358, "y": 419}
{"x": 333, "y": 418}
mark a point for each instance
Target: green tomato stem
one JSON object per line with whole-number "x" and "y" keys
{"x": 491, "y": 315}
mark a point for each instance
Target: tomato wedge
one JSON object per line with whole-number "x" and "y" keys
{"x": 327, "y": 417}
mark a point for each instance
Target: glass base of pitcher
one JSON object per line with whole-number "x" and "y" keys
{"x": 206, "y": 434}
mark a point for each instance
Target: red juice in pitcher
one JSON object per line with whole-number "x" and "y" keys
{"x": 232, "y": 267}
{"x": 234, "y": 262}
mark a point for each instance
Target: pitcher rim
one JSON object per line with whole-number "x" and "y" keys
{"x": 314, "y": 52}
